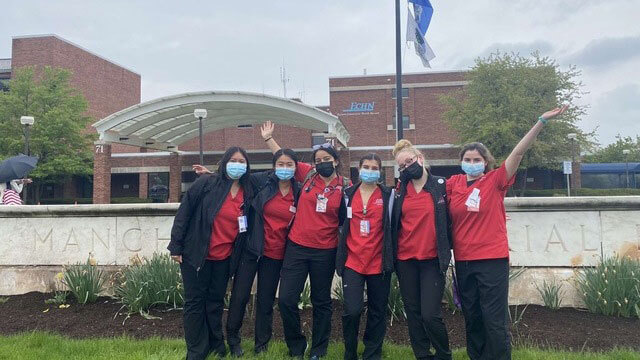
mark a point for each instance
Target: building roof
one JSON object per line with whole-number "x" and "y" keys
{"x": 168, "y": 122}
{"x": 609, "y": 168}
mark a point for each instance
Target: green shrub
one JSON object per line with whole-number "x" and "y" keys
{"x": 448, "y": 293}
{"x": 551, "y": 294}
{"x": 150, "y": 282}
{"x": 611, "y": 287}
{"x": 338, "y": 291}
{"x": 84, "y": 281}
{"x": 578, "y": 192}
{"x": 395, "y": 305}
{"x": 305, "y": 297}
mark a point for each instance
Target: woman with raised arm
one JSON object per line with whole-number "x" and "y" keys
{"x": 422, "y": 250}
{"x": 207, "y": 236}
{"x": 311, "y": 249}
{"x": 480, "y": 245}
{"x": 365, "y": 256}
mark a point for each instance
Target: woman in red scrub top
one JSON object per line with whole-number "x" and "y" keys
{"x": 365, "y": 255}
{"x": 423, "y": 250}
{"x": 207, "y": 234}
{"x": 480, "y": 246}
{"x": 311, "y": 249}
{"x": 272, "y": 209}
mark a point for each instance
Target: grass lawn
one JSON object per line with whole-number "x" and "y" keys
{"x": 47, "y": 346}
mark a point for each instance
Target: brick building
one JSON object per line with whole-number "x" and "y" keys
{"x": 107, "y": 86}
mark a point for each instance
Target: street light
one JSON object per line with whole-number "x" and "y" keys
{"x": 27, "y": 121}
{"x": 626, "y": 160}
{"x": 200, "y": 114}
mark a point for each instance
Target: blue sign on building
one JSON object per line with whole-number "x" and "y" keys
{"x": 361, "y": 107}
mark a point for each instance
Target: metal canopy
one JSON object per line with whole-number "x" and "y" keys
{"x": 168, "y": 122}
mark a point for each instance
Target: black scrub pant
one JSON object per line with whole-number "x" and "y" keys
{"x": 268, "y": 270}
{"x": 204, "y": 293}
{"x": 377, "y": 299}
{"x": 484, "y": 293}
{"x": 319, "y": 264}
{"x": 422, "y": 286}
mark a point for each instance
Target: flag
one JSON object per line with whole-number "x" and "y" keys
{"x": 423, "y": 11}
{"x": 414, "y": 33}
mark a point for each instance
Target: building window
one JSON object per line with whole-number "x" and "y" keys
{"x": 317, "y": 140}
{"x": 245, "y": 126}
{"x": 405, "y": 93}
{"x": 405, "y": 122}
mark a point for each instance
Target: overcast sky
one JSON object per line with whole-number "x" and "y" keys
{"x": 240, "y": 45}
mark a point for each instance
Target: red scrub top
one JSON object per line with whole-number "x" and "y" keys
{"x": 417, "y": 236}
{"x": 225, "y": 227}
{"x": 483, "y": 234}
{"x": 364, "y": 251}
{"x": 277, "y": 214}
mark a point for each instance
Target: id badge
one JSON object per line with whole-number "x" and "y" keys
{"x": 292, "y": 209}
{"x": 321, "y": 204}
{"x": 473, "y": 201}
{"x": 242, "y": 223}
{"x": 365, "y": 228}
{"x": 349, "y": 212}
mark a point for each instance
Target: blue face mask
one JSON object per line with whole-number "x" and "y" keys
{"x": 369, "y": 176}
{"x": 472, "y": 169}
{"x": 285, "y": 173}
{"x": 236, "y": 170}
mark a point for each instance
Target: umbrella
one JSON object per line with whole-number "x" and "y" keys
{"x": 17, "y": 167}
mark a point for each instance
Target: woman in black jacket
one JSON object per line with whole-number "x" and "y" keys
{"x": 272, "y": 210}
{"x": 207, "y": 233}
{"x": 422, "y": 245}
{"x": 365, "y": 255}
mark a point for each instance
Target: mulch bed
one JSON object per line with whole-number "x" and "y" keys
{"x": 567, "y": 328}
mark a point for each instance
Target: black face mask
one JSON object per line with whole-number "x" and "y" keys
{"x": 325, "y": 168}
{"x": 411, "y": 172}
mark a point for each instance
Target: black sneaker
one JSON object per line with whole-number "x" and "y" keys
{"x": 260, "y": 349}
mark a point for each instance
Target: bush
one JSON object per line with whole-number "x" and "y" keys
{"x": 338, "y": 291}
{"x": 612, "y": 287}
{"x": 130, "y": 200}
{"x": 579, "y": 192}
{"x": 305, "y": 297}
{"x": 551, "y": 294}
{"x": 395, "y": 305}
{"x": 150, "y": 282}
{"x": 84, "y": 281}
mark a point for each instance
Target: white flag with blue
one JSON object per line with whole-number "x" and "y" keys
{"x": 417, "y": 28}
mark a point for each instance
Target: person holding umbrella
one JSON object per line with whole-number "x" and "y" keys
{"x": 10, "y": 191}
{"x": 13, "y": 173}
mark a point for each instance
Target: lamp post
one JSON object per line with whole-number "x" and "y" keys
{"x": 27, "y": 122}
{"x": 626, "y": 160}
{"x": 200, "y": 114}
{"x": 572, "y": 137}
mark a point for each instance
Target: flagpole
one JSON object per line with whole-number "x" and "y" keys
{"x": 399, "y": 122}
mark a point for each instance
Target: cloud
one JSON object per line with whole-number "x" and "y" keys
{"x": 522, "y": 48}
{"x": 607, "y": 51}
{"x": 617, "y": 112}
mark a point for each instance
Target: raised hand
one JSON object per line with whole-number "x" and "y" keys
{"x": 267, "y": 130}
{"x": 199, "y": 169}
{"x": 555, "y": 112}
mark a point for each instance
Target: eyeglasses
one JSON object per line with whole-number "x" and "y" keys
{"x": 322, "y": 146}
{"x": 407, "y": 163}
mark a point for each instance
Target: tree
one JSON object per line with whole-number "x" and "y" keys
{"x": 59, "y": 136}
{"x": 613, "y": 152}
{"x": 505, "y": 95}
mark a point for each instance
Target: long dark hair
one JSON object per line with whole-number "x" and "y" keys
{"x": 482, "y": 150}
{"x": 222, "y": 168}
{"x": 288, "y": 152}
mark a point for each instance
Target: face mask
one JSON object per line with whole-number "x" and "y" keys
{"x": 325, "y": 168}
{"x": 285, "y": 173}
{"x": 413, "y": 171}
{"x": 472, "y": 169}
{"x": 369, "y": 176}
{"x": 236, "y": 170}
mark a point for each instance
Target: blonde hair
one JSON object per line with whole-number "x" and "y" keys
{"x": 406, "y": 145}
